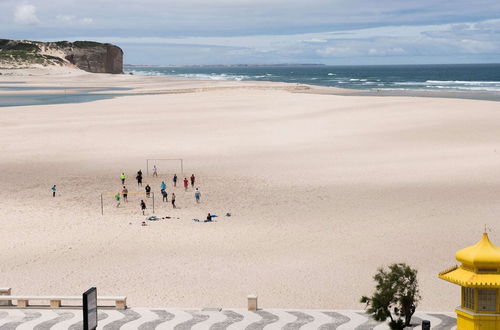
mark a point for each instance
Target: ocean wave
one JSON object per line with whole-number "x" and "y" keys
{"x": 462, "y": 82}
{"x": 463, "y": 88}
{"x": 445, "y": 83}
{"x": 144, "y": 73}
{"x": 200, "y": 76}
{"x": 214, "y": 76}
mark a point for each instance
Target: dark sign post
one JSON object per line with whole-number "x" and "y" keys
{"x": 90, "y": 309}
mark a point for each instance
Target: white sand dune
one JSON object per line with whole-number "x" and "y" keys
{"x": 323, "y": 190}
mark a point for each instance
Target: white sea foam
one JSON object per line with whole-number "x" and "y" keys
{"x": 214, "y": 76}
{"x": 487, "y": 86}
{"x": 446, "y": 83}
{"x": 144, "y": 73}
{"x": 462, "y": 82}
{"x": 201, "y": 76}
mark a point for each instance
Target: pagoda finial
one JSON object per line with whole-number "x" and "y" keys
{"x": 486, "y": 229}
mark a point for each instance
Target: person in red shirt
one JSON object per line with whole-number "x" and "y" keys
{"x": 186, "y": 183}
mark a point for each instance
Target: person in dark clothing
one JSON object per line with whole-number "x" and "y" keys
{"x": 125, "y": 193}
{"x": 209, "y": 218}
{"x": 193, "y": 179}
{"x": 165, "y": 195}
{"x": 143, "y": 206}
{"x": 148, "y": 190}
{"x": 175, "y": 180}
{"x": 173, "y": 200}
{"x": 139, "y": 178}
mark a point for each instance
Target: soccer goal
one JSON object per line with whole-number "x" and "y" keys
{"x": 165, "y": 165}
{"x": 108, "y": 198}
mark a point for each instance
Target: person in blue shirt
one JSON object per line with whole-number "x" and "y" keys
{"x": 163, "y": 186}
{"x": 197, "y": 195}
{"x": 53, "y": 190}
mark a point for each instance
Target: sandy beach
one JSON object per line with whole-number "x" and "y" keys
{"x": 322, "y": 189}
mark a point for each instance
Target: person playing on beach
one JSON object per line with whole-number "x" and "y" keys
{"x": 54, "y": 188}
{"x": 117, "y": 197}
{"x": 186, "y": 184}
{"x": 209, "y": 218}
{"x": 155, "y": 171}
{"x": 163, "y": 186}
{"x": 123, "y": 177}
{"x": 139, "y": 178}
{"x": 197, "y": 195}
{"x": 148, "y": 191}
{"x": 125, "y": 194}
{"x": 192, "y": 180}
{"x": 175, "y": 180}
{"x": 143, "y": 206}
{"x": 173, "y": 200}
{"x": 165, "y": 195}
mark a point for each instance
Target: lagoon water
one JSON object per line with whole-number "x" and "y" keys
{"x": 52, "y": 95}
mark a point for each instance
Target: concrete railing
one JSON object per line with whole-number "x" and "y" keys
{"x": 120, "y": 302}
{"x": 252, "y": 302}
{"x": 5, "y": 292}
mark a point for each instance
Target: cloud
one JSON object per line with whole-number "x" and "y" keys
{"x": 263, "y": 31}
{"x": 71, "y": 19}
{"x": 87, "y": 20}
{"x": 26, "y": 14}
{"x": 337, "y": 52}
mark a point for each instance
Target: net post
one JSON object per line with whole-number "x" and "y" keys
{"x": 153, "y": 202}
{"x": 182, "y": 166}
{"x": 147, "y": 166}
{"x": 102, "y": 206}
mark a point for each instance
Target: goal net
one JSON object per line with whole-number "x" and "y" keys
{"x": 165, "y": 166}
{"x": 110, "y": 204}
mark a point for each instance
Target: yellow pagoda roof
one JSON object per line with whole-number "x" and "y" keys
{"x": 468, "y": 278}
{"x": 483, "y": 254}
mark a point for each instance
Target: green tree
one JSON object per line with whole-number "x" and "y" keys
{"x": 396, "y": 295}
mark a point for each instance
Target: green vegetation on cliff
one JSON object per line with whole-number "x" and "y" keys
{"x": 87, "y": 55}
{"x": 23, "y": 53}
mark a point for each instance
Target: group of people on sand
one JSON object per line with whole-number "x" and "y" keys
{"x": 163, "y": 189}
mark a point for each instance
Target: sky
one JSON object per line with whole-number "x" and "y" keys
{"x": 334, "y": 32}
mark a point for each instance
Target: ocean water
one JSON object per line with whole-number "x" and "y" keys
{"x": 471, "y": 81}
{"x": 484, "y": 78}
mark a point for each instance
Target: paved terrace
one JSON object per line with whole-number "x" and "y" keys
{"x": 184, "y": 319}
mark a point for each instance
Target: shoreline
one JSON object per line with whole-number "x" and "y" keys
{"x": 31, "y": 85}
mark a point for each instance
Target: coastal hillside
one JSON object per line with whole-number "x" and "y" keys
{"x": 86, "y": 55}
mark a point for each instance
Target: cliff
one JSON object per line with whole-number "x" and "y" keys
{"x": 86, "y": 55}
